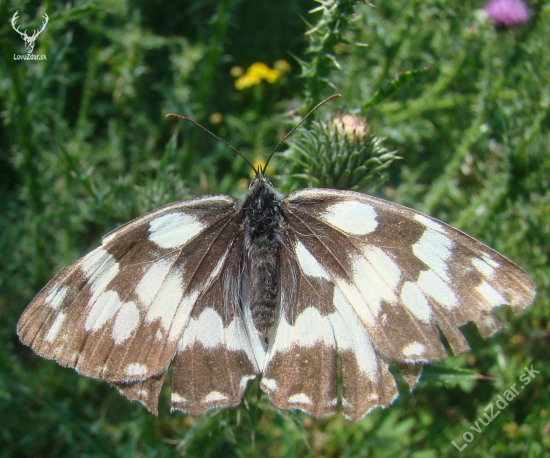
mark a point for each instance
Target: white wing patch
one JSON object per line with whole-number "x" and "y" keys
{"x": 166, "y": 301}
{"x": 100, "y": 268}
{"x": 432, "y": 285}
{"x": 177, "y": 398}
{"x": 103, "y": 309}
{"x": 56, "y": 327}
{"x": 300, "y": 333}
{"x": 388, "y": 270}
{"x": 151, "y": 281}
{"x": 245, "y": 380}
{"x": 55, "y": 298}
{"x": 490, "y": 261}
{"x": 415, "y": 301}
{"x": 483, "y": 267}
{"x": 136, "y": 369}
{"x": 373, "y": 286}
{"x": 352, "y": 217}
{"x": 174, "y": 229}
{"x": 353, "y": 295}
{"x": 299, "y": 398}
{"x": 430, "y": 223}
{"x": 490, "y": 294}
{"x": 309, "y": 265}
{"x": 269, "y": 383}
{"x": 182, "y": 315}
{"x": 126, "y": 322}
{"x": 351, "y": 334}
{"x": 209, "y": 331}
{"x": 434, "y": 249}
{"x": 414, "y": 349}
{"x": 214, "y": 396}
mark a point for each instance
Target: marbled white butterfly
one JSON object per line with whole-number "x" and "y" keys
{"x": 223, "y": 290}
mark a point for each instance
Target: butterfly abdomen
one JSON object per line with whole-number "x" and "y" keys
{"x": 261, "y": 217}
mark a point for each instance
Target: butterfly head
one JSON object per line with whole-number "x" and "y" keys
{"x": 260, "y": 181}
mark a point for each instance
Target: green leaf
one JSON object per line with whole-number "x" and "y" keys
{"x": 449, "y": 374}
{"x": 388, "y": 89}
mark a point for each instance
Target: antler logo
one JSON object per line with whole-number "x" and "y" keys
{"x": 29, "y": 41}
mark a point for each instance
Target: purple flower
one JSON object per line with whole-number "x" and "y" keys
{"x": 508, "y": 13}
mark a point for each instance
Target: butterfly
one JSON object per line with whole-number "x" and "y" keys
{"x": 298, "y": 290}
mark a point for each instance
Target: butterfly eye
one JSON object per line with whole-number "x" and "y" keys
{"x": 250, "y": 184}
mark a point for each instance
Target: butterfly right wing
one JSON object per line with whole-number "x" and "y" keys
{"x": 220, "y": 351}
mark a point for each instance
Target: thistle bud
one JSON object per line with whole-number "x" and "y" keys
{"x": 341, "y": 154}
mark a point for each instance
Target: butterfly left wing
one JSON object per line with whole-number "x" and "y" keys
{"x": 381, "y": 279}
{"x": 120, "y": 312}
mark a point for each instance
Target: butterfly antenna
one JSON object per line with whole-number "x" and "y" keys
{"x": 328, "y": 99}
{"x": 185, "y": 118}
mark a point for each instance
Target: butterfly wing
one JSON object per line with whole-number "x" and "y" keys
{"x": 315, "y": 325}
{"x": 381, "y": 278}
{"x": 220, "y": 350}
{"x": 128, "y": 310}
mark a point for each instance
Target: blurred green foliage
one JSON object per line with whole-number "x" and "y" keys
{"x": 84, "y": 147}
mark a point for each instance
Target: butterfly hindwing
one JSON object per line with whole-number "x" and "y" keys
{"x": 216, "y": 356}
{"x": 119, "y": 312}
{"x": 300, "y": 369}
{"x": 315, "y": 327}
{"x": 145, "y": 391}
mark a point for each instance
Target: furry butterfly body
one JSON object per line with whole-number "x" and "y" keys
{"x": 224, "y": 290}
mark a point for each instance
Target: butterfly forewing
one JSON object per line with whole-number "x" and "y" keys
{"x": 119, "y": 312}
{"x": 404, "y": 273}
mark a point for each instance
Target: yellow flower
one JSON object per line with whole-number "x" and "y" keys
{"x": 272, "y": 75}
{"x": 260, "y": 162}
{"x": 246, "y": 81}
{"x": 255, "y": 74}
{"x": 262, "y": 71}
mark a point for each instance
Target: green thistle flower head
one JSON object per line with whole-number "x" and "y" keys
{"x": 342, "y": 154}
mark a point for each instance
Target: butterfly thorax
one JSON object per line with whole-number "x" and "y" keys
{"x": 260, "y": 225}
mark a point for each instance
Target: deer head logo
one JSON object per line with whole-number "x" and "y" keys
{"x": 29, "y": 41}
